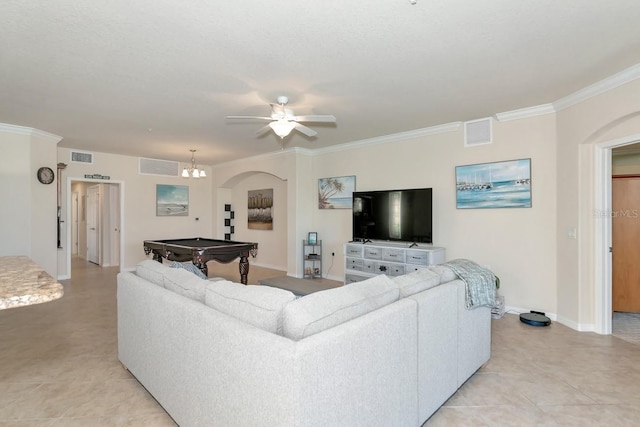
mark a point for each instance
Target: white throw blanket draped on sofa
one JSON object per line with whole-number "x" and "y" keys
{"x": 480, "y": 283}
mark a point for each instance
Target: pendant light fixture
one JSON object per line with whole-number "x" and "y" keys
{"x": 193, "y": 171}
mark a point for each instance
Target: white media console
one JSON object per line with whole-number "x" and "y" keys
{"x": 364, "y": 260}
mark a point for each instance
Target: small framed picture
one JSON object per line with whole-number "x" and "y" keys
{"x": 313, "y": 238}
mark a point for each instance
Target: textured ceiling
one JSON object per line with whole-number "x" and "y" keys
{"x": 155, "y": 78}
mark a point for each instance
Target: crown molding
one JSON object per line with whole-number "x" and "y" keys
{"x": 524, "y": 113}
{"x": 23, "y": 130}
{"x": 401, "y": 136}
{"x": 623, "y": 77}
{"x": 265, "y": 156}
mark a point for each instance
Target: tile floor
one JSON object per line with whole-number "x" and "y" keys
{"x": 59, "y": 367}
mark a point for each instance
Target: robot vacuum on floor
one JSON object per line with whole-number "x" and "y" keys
{"x": 535, "y": 318}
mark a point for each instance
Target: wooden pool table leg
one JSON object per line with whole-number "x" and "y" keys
{"x": 244, "y": 268}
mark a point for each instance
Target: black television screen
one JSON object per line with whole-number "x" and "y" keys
{"x": 396, "y": 215}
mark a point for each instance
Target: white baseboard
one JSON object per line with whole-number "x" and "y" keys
{"x": 580, "y": 327}
{"x": 519, "y": 310}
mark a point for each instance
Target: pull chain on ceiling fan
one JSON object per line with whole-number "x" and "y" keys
{"x": 283, "y": 121}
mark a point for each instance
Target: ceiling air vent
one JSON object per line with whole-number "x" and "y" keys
{"x": 477, "y": 132}
{"x": 79, "y": 157}
{"x": 158, "y": 167}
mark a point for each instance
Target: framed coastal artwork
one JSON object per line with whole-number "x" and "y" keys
{"x": 505, "y": 184}
{"x": 260, "y": 209}
{"x": 172, "y": 200}
{"x": 336, "y": 192}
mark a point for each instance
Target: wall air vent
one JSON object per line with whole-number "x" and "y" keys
{"x": 80, "y": 157}
{"x": 478, "y": 132}
{"x": 158, "y": 167}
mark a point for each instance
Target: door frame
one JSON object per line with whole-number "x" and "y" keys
{"x": 603, "y": 309}
{"x": 68, "y": 217}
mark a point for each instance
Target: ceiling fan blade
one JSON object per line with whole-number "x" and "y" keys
{"x": 249, "y": 117}
{"x": 316, "y": 118}
{"x": 263, "y": 129}
{"x": 307, "y": 131}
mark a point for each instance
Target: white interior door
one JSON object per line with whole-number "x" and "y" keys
{"x": 75, "y": 204}
{"x": 93, "y": 224}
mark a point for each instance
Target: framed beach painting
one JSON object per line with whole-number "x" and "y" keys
{"x": 505, "y": 184}
{"x": 336, "y": 192}
{"x": 172, "y": 200}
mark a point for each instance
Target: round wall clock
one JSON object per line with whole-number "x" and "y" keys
{"x": 45, "y": 175}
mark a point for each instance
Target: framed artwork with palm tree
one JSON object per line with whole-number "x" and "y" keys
{"x": 336, "y": 192}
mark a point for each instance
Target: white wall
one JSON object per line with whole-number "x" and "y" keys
{"x": 139, "y": 220}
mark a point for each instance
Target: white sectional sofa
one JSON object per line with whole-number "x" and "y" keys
{"x": 382, "y": 352}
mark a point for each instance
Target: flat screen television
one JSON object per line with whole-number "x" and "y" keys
{"x": 393, "y": 215}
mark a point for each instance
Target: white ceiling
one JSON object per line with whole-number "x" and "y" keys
{"x": 155, "y": 78}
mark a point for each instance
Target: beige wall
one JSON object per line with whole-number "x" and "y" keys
{"x": 606, "y": 117}
{"x": 540, "y": 265}
{"x": 139, "y": 221}
{"x": 271, "y": 254}
{"x": 15, "y": 193}
{"x": 515, "y": 243}
{"x": 28, "y": 225}
{"x": 286, "y": 172}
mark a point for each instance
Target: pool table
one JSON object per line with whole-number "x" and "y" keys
{"x": 200, "y": 250}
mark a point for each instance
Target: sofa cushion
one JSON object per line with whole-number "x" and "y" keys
{"x": 446, "y": 274}
{"x": 260, "y": 306}
{"x": 416, "y": 281}
{"x": 190, "y": 267}
{"x": 325, "y": 309}
{"x": 185, "y": 283}
{"x": 152, "y": 271}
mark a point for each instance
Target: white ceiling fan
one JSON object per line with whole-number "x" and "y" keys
{"x": 283, "y": 121}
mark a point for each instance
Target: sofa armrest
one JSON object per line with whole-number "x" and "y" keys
{"x": 203, "y": 366}
{"x": 474, "y": 336}
{"x": 362, "y": 372}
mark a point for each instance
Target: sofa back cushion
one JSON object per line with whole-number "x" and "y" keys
{"x": 185, "y": 283}
{"x": 151, "y": 271}
{"x": 416, "y": 281}
{"x": 446, "y": 274}
{"x": 260, "y": 306}
{"x": 325, "y": 309}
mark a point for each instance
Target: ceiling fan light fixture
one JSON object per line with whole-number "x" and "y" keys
{"x": 282, "y": 127}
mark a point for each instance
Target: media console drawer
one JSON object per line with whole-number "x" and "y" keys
{"x": 417, "y": 257}
{"x": 389, "y": 268}
{"x": 354, "y": 264}
{"x": 354, "y": 250}
{"x": 372, "y": 252}
{"x": 393, "y": 254}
